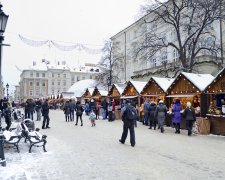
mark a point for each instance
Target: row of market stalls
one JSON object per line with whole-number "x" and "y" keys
{"x": 205, "y": 92}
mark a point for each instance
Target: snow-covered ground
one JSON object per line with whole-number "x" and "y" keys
{"x": 76, "y": 152}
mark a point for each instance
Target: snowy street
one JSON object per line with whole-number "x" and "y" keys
{"x": 76, "y": 152}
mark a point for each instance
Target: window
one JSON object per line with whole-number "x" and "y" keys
{"x": 53, "y": 91}
{"x": 78, "y": 78}
{"x": 43, "y": 74}
{"x": 64, "y": 75}
{"x": 52, "y": 75}
{"x": 58, "y": 75}
{"x": 53, "y": 83}
{"x": 31, "y": 93}
{"x": 31, "y": 74}
{"x": 37, "y": 83}
{"x": 164, "y": 57}
{"x": 90, "y": 76}
{"x": 175, "y": 56}
{"x": 83, "y": 77}
{"x": 153, "y": 62}
{"x": 187, "y": 3}
{"x": 43, "y": 84}
{"x": 72, "y": 79}
{"x": 31, "y": 83}
{"x": 64, "y": 83}
{"x": 37, "y": 74}
{"x": 58, "y": 83}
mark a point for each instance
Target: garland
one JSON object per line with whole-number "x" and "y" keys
{"x": 62, "y": 47}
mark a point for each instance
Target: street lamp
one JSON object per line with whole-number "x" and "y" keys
{"x": 3, "y": 22}
{"x": 7, "y": 90}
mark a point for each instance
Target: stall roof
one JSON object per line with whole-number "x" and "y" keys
{"x": 103, "y": 92}
{"x": 138, "y": 85}
{"x": 164, "y": 83}
{"x": 201, "y": 81}
{"x": 120, "y": 87}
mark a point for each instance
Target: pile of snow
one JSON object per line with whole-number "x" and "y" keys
{"x": 80, "y": 87}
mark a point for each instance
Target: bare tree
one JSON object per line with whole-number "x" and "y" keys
{"x": 191, "y": 24}
{"x": 111, "y": 59}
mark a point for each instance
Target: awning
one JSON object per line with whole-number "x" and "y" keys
{"x": 181, "y": 95}
{"x": 152, "y": 95}
{"x": 128, "y": 97}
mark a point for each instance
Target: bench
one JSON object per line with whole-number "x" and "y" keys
{"x": 34, "y": 137}
{"x": 12, "y": 138}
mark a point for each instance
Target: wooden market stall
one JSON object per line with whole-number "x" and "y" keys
{"x": 115, "y": 93}
{"x": 133, "y": 91}
{"x": 216, "y": 104}
{"x": 87, "y": 95}
{"x": 156, "y": 89}
{"x": 190, "y": 87}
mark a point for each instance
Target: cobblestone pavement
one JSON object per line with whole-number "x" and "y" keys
{"x": 76, "y": 152}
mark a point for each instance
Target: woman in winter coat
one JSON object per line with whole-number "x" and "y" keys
{"x": 66, "y": 110}
{"x": 152, "y": 120}
{"x": 176, "y": 115}
{"x": 189, "y": 114}
{"x": 79, "y": 111}
{"x": 160, "y": 115}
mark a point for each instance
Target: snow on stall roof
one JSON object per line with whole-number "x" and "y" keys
{"x": 103, "y": 92}
{"x": 120, "y": 87}
{"x": 164, "y": 83}
{"x": 139, "y": 85}
{"x": 201, "y": 81}
{"x": 91, "y": 90}
{"x": 79, "y": 87}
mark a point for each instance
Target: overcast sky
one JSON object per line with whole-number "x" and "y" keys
{"x": 89, "y": 22}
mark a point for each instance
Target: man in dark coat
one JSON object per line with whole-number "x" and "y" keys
{"x": 128, "y": 123}
{"x": 152, "y": 120}
{"x": 79, "y": 111}
{"x": 160, "y": 114}
{"x": 72, "y": 107}
{"x": 7, "y": 115}
{"x": 31, "y": 107}
{"x": 190, "y": 117}
{"x": 45, "y": 114}
{"x": 146, "y": 112}
{"x": 104, "y": 106}
{"x": 38, "y": 109}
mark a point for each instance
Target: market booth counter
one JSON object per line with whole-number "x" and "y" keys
{"x": 190, "y": 87}
{"x": 98, "y": 95}
{"x": 156, "y": 89}
{"x": 133, "y": 91}
{"x": 216, "y": 103}
{"x": 115, "y": 93}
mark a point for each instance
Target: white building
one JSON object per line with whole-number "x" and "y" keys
{"x": 44, "y": 78}
{"x": 142, "y": 67}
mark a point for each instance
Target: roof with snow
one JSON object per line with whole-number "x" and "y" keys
{"x": 138, "y": 85}
{"x": 201, "y": 81}
{"x": 120, "y": 87}
{"x": 79, "y": 87}
{"x": 164, "y": 83}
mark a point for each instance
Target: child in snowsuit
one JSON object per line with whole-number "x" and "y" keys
{"x": 92, "y": 117}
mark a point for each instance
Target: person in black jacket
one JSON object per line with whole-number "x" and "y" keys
{"x": 7, "y": 115}
{"x": 72, "y": 107}
{"x": 45, "y": 114}
{"x": 128, "y": 123}
{"x": 152, "y": 120}
{"x": 79, "y": 111}
{"x": 189, "y": 114}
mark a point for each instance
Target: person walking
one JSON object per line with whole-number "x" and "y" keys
{"x": 31, "y": 107}
{"x": 129, "y": 115}
{"x": 26, "y": 109}
{"x": 72, "y": 106}
{"x": 104, "y": 105}
{"x": 38, "y": 109}
{"x": 176, "y": 119}
{"x": 189, "y": 115}
{"x": 79, "y": 111}
{"x": 66, "y": 110}
{"x": 45, "y": 114}
{"x": 160, "y": 114}
{"x": 8, "y": 115}
{"x": 92, "y": 117}
{"x": 152, "y": 119}
{"x": 146, "y": 112}
{"x": 86, "y": 108}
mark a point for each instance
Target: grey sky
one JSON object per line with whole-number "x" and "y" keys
{"x": 89, "y": 22}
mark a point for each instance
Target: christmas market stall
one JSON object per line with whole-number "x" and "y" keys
{"x": 216, "y": 104}
{"x": 156, "y": 89}
{"x": 133, "y": 91}
{"x": 189, "y": 87}
{"x": 87, "y": 95}
{"x": 115, "y": 93}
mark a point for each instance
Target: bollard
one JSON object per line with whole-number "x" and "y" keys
{"x": 2, "y": 155}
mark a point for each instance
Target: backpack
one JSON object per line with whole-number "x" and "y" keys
{"x": 130, "y": 113}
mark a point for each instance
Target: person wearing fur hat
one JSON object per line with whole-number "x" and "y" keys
{"x": 160, "y": 114}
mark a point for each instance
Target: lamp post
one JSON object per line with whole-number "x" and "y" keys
{"x": 3, "y": 22}
{"x": 7, "y": 90}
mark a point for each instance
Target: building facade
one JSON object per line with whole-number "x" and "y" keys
{"x": 45, "y": 78}
{"x": 141, "y": 67}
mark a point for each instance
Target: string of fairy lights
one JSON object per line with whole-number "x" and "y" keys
{"x": 59, "y": 45}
